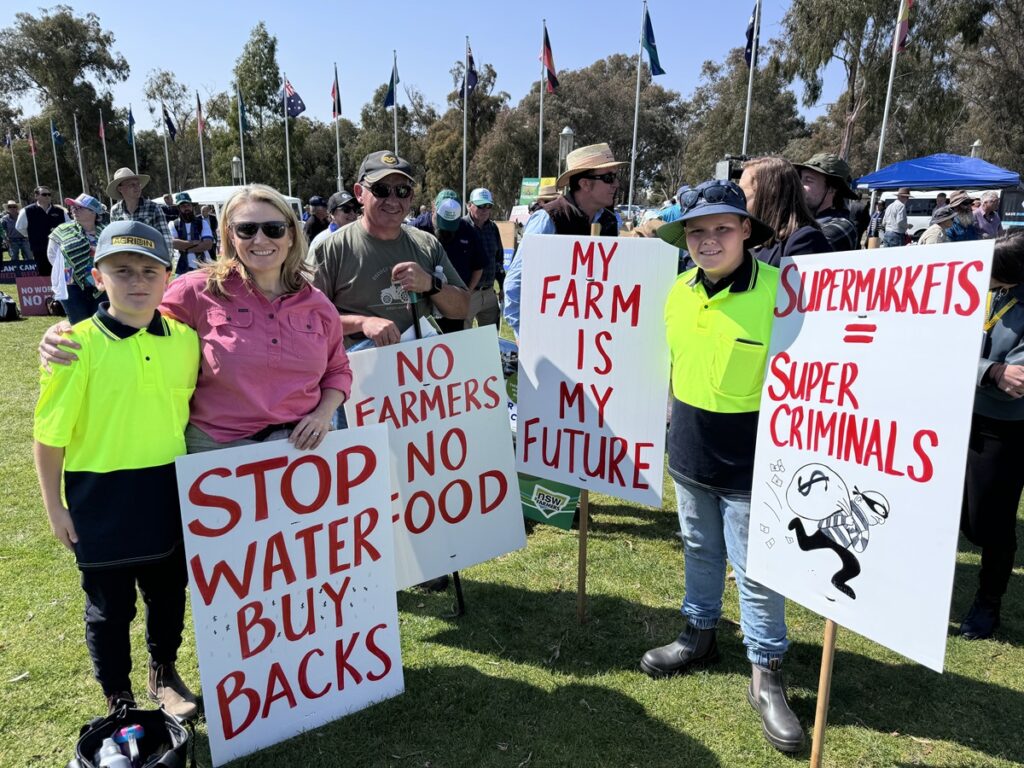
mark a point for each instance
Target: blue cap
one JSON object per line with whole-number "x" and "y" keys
{"x": 710, "y": 198}
{"x": 132, "y": 237}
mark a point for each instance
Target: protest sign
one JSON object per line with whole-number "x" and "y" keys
{"x": 593, "y": 363}
{"x": 10, "y": 271}
{"x": 452, "y": 466}
{"x": 32, "y": 294}
{"x": 862, "y": 437}
{"x": 291, "y": 571}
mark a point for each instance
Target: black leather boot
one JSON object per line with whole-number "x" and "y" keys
{"x": 982, "y": 620}
{"x": 767, "y": 695}
{"x": 693, "y": 648}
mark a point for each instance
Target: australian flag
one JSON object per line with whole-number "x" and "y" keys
{"x": 172, "y": 129}
{"x": 293, "y": 103}
{"x": 752, "y": 35}
{"x": 469, "y": 80}
{"x": 58, "y": 140}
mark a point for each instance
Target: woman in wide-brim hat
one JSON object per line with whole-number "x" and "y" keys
{"x": 70, "y": 250}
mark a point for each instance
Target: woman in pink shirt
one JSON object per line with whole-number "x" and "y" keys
{"x": 272, "y": 360}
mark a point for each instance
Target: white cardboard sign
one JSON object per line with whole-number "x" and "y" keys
{"x": 456, "y": 495}
{"x": 291, "y": 571}
{"x": 862, "y": 437}
{"x": 593, "y": 362}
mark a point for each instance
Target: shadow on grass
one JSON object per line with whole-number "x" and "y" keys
{"x": 512, "y": 723}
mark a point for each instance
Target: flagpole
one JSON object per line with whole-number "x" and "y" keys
{"x": 465, "y": 120}
{"x": 394, "y": 105}
{"x": 167, "y": 153}
{"x": 56, "y": 168}
{"x": 636, "y": 109}
{"x": 888, "y": 96}
{"x": 199, "y": 127}
{"x": 543, "y": 81}
{"x": 241, "y": 129}
{"x": 337, "y": 130}
{"x": 287, "y": 142}
{"x": 14, "y": 163}
{"x": 750, "y": 77}
{"x": 32, "y": 151}
{"x": 106, "y": 162}
{"x": 135, "y": 150}
{"x": 78, "y": 149}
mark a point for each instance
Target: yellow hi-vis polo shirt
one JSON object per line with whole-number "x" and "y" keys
{"x": 120, "y": 413}
{"x": 719, "y": 348}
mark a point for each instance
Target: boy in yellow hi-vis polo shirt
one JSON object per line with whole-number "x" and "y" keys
{"x": 113, "y": 423}
{"x": 718, "y": 320}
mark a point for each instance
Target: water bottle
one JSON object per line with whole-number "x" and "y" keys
{"x": 439, "y": 272}
{"x": 110, "y": 756}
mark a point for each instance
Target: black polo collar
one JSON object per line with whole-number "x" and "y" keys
{"x": 118, "y": 330}
{"x": 743, "y": 278}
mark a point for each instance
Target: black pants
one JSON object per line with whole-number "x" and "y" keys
{"x": 992, "y": 488}
{"x": 43, "y": 265}
{"x": 110, "y": 608}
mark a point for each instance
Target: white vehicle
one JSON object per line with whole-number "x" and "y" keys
{"x": 218, "y": 196}
{"x": 920, "y": 207}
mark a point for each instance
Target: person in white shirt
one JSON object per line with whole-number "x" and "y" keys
{"x": 894, "y": 222}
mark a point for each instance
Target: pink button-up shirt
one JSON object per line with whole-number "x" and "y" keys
{"x": 262, "y": 362}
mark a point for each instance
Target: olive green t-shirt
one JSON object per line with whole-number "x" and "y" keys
{"x": 353, "y": 269}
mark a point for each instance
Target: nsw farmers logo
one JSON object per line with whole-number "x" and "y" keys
{"x": 548, "y": 503}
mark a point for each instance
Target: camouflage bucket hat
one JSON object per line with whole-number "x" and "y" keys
{"x": 835, "y": 168}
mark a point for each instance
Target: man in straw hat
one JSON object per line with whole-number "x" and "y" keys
{"x": 132, "y": 206}
{"x": 592, "y": 183}
{"x": 894, "y": 221}
{"x": 827, "y": 183}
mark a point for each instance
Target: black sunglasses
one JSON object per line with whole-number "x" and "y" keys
{"x": 382, "y": 191}
{"x": 485, "y": 206}
{"x": 723, "y": 192}
{"x": 607, "y": 178}
{"x": 43, "y": 194}
{"x": 247, "y": 230}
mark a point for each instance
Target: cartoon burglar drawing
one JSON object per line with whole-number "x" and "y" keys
{"x": 844, "y": 522}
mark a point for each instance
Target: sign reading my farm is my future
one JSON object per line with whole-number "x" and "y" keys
{"x": 593, "y": 363}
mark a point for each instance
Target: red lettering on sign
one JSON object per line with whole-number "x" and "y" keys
{"x": 200, "y": 498}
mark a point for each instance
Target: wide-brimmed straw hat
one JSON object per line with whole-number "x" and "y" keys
{"x": 596, "y": 157}
{"x": 547, "y": 193}
{"x": 122, "y": 175}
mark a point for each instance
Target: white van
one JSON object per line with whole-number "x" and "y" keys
{"x": 218, "y": 196}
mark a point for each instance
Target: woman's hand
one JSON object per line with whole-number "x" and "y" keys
{"x": 50, "y": 351}
{"x": 311, "y": 430}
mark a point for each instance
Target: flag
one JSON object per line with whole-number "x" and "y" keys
{"x": 903, "y": 25}
{"x": 650, "y": 46}
{"x": 389, "y": 99}
{"x": 131, "y": 128}
{"x": 172, "y": 130}
{"x": 57, "y": 138}
{"x": 470, "y": 78}
{"x": 242, "y": 119}
{"x": 31, "y": 144}
{"x": 102, "y": 133}
{"x": 293, "y": 102}
{"x": 548, "y": 59}
{"x": 748, "y": 51}
{"x": 335, "y": 96}
{"x": 200, "y": 123}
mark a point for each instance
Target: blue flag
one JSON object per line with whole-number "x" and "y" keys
{"x": 172, "y": 129}
{"x": 131, "y": 128}
{"x": 748, "y": 50}
{"x": 244, "y": 122}
{"x": 389, "y": 99}
{"x": 650, "y": 46}
{"x": 470, "y": 78}
{"x": 293, "y": 103}
{"x": 57, "y": 138}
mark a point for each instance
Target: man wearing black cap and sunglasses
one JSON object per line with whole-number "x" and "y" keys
{"x": 370, "y": 269}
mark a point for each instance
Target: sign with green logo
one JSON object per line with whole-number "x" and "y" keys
{"x": 548, "y": 502}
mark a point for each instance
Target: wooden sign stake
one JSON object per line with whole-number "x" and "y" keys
{"x": 581, "y": 584}
{"x": 824, "y": 689}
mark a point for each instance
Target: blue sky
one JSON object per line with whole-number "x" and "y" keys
{"x": 428, "y": 36}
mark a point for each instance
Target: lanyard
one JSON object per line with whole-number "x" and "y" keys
{"x": 993, "y": 319}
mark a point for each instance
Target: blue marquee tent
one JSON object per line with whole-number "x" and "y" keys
{"x": 940, "y": 172}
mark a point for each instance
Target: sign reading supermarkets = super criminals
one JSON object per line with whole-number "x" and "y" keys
{"x": 862, "y": 437}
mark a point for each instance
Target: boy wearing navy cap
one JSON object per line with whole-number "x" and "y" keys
{"x": 113, "y": 425}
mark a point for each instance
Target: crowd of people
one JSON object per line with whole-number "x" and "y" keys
{"x": 243, "y": 339}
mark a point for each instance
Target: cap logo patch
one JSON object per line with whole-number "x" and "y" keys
{"x": 129, "y": 240}
{"x": 389, "y": 160}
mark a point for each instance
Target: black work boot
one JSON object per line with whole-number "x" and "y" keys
{"x": 982, "y": 620}
{"x": 767, "y": 695}
{"x": 692, "y": 649}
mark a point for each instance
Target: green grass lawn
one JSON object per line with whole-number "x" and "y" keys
{"x": 516, "y": 682}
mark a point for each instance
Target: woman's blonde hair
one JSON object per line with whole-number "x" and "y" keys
{"x": 295, "y": 272}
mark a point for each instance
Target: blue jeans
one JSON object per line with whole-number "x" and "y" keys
{"x": 81, "y": 305}
{"x": 892, "y": 240}
{"x": 715, "y": 527}
{"x": 19, "y": 250}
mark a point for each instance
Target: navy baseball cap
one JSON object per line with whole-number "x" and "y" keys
{"x": 708, "y": 199}
{"x": 132, "y": 237}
